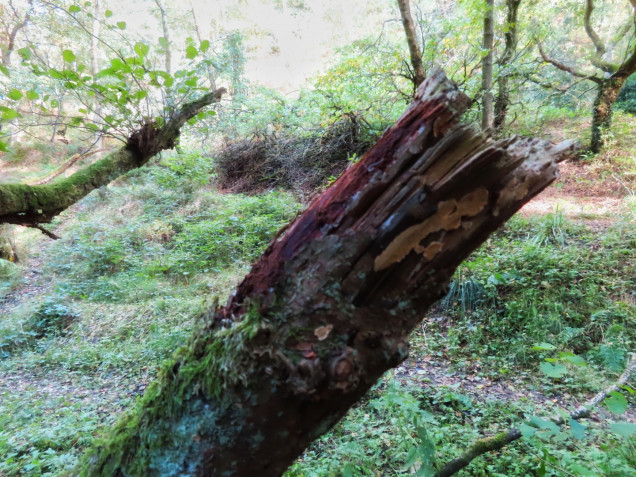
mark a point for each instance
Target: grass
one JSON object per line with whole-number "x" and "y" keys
{"x": 140, "y": 259}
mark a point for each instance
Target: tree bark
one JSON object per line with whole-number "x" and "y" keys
{"x": 487, "y": 111}
{"x": 607, "y": 92}
{"x": 329, "y": 306}
{"x": 414, "y": 48}
{"x": 31, "y": 205}
{"x": 511, "y": 37}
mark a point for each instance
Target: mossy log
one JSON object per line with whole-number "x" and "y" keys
{"x": 35, "y": 204}
{"x": 329, "y": 306}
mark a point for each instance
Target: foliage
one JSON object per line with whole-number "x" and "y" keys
{"x": 530, "y": 284}
{"x": 626, "y": 100}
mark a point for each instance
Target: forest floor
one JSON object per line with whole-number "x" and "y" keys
{"x": 131, "y": 307}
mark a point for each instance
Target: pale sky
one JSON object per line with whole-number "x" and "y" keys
{"x": 285, "y": 46}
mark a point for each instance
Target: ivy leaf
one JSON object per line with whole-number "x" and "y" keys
{"x": 624, "y": 429}
{"x": 163, "y": 43}
{"x": 191, "y": 52}
{"x": 121, "y": 25}
{"x": 32, "y": 95}
{"x": 74, "y": 9}
{"x": 141, "y": 49}
{"x": 205, "y": 45}
{"x": 14, "y": 94}
{"x": 68, "y": 56}
{"x": 4, "y": 146}
{"x": 616, "y": 402}
{"x": 4, "y": 70}
{"x": 108, "y": 13}
{"x": 553, "y": 370}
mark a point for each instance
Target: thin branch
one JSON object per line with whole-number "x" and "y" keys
{"x": 564, "y": 67}
{"x": 66, "y": 166}
{"x": 46, "y": 232}
{"x": 498, "y": 441}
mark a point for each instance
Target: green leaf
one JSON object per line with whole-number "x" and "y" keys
{"x": 141, "y": 49}
{"x": 572, "y": 358}
{"x": 163, "y": 43}
{"x": 543, "y": 347}
{"x": 74, "y": 9}
{"x": 627, "y": 388}
{"x": 4, "y": 70}
{"x": 553, "y": 370}
{"x": 14, "y": 94}
{"x": 8, "y": 113}
{"x": 204, "y": 46}
{"x": 4, "y": 147}
{"x": 32, "y": 95}
{"x": 191, "y": 52}
{"x": 121, "y": 25}
{"x": 624, "y": 429}
{"x": 577, "y": 429}
{"x": 68, "y": 56}
{"x": 108, "y": 13}
{"x": 139, "y": 95}
{"x": 25, "y": 53}
{"x": 616, "y": 402}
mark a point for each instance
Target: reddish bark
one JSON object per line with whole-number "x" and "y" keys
{"x": 329, "y": 306}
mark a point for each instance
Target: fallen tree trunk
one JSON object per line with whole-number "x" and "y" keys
{"x": 30, "y": 205}
{"x": 330, "y": 305}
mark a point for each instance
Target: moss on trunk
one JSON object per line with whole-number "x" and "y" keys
{"x": 29, "y": 205}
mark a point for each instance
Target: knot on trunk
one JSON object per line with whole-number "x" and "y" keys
{"x": 147, "y": 140}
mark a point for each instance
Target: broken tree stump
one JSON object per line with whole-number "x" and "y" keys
{"x": 329, "y": 306}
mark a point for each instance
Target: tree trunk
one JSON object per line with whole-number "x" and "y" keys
{"x": 166, "y": 35}
{"x": 487, "y": 112}
{"x": 96, "y": 27}
{"x": 30, "y": 205}
{"x": 329, "y": 306}
{"x": 511, "y": 37}
{"x": 414, "y": 48}
{"x": 608, "y": 91}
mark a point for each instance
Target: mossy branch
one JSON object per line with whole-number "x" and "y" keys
{"x": 499, "y": 441}
{"x": 30, "y": 205}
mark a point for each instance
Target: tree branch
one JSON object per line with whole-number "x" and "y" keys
{"x": 601, "y": 49}
{"x": 564, "y": 67}
{"x": 24, "y": 204}
{"x": 65, "y": 167}
{"x": 411, "y": 38}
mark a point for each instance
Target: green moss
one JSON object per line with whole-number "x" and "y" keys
{"x": 192, "y": 392}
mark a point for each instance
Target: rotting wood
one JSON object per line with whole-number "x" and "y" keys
{"x": 327, "y": 310}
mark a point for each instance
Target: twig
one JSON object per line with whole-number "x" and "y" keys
{"x": 46, "y": 232}
{"x": 65, "y": 167}
{"x": 498, "y": 441}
